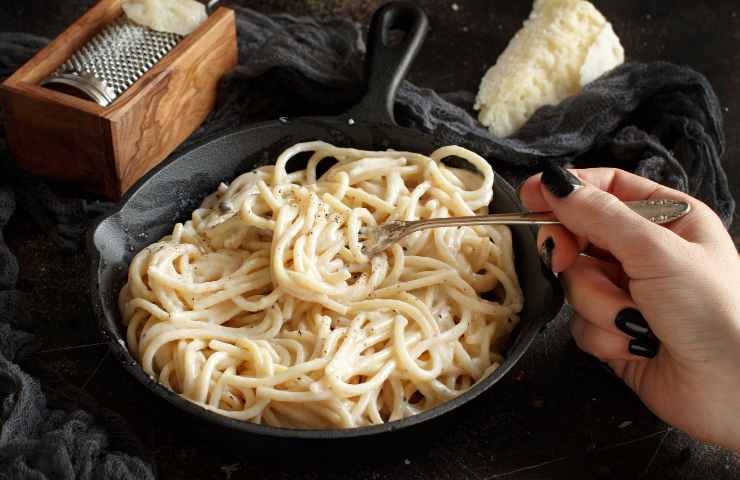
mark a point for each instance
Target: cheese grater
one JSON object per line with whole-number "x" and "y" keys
{"x": 117, "y": 97}
{"x": 107, "y": 65}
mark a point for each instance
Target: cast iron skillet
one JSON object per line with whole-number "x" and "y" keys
{"x": 169, "y": 194}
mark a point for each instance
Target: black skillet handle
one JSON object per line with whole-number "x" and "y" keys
{"x": 396, "y": 34}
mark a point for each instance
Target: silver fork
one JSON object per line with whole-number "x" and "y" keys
{"x": 378, "y": 238}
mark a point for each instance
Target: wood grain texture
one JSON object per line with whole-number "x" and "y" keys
{"x": 164, "y": 107}
{"x": 54, "y": 139}
{"x": 106, "y": 150}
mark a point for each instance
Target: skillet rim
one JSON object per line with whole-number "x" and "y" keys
{"x": 109, "y": 326}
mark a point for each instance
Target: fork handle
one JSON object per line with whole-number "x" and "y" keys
{"x": 657, "y": 211}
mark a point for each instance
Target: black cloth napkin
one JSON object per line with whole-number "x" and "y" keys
{"x": 659, "y": 120}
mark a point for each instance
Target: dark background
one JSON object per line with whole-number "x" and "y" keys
{"x": 558, "y": 415}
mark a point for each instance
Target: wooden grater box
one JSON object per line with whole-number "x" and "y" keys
{"x": 105, "y": 150}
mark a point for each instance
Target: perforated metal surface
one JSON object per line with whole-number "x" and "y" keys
{"x": 117, "y": 57}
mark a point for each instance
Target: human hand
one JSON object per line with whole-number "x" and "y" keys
{"x": 660, "y": 305}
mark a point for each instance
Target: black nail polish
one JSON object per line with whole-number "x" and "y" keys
{"x": 560, "y": 181}
{"x": 631, "y": 322}
{"x": 644, "y": 348}
{"x": 548, "y": 246}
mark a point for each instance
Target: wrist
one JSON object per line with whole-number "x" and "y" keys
{"x": 730, "y": 373}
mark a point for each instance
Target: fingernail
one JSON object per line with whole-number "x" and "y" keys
{"x": 560, "y": 181}
{"x": 631, "y": 322}
{"x": 548, "y": 246}
{"x": 644, "y": 348}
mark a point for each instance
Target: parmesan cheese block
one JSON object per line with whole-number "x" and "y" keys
{"x": 174, "y": 16}
{"x": 562, "y": 46}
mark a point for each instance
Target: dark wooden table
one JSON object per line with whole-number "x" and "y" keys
{"x": 558, "y": 415}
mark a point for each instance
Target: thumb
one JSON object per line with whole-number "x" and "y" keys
{"x": 606, "y": 222}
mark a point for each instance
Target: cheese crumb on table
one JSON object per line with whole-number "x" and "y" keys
{"x": 563, "y": 45}
{"x": 174, "y": 16}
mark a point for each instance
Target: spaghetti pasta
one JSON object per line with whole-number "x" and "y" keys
{"x": 264, "y": 308}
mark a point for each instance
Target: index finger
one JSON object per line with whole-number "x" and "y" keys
{"x": 698, "y": 226}
{"x": 623, "y": 185}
